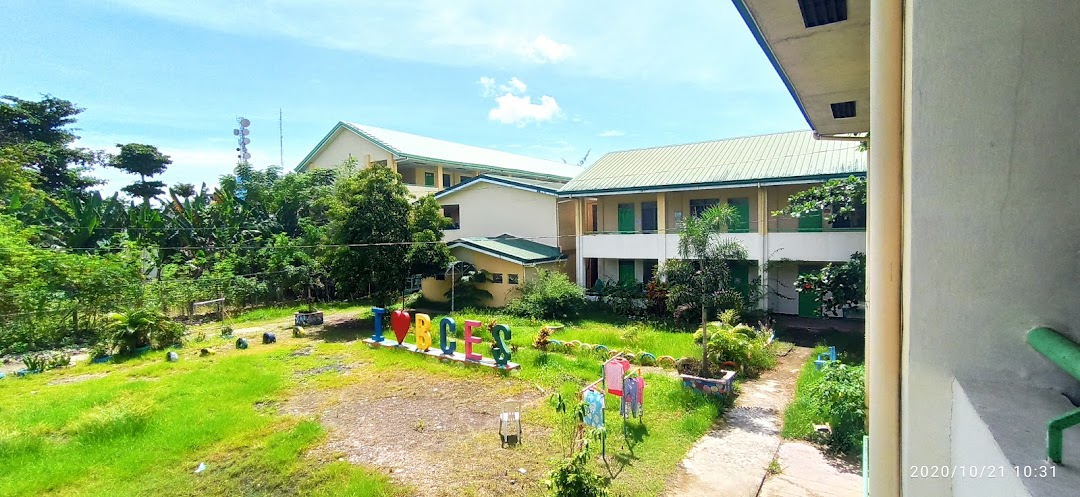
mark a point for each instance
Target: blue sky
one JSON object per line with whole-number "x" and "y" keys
{"x": 549, "y": 79}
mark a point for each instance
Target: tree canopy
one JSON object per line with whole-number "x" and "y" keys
{"x": 37, "y": 136}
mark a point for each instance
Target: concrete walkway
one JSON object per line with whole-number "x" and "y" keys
{"x": 733, "y": 459}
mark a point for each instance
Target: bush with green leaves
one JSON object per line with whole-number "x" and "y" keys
{"x": 744, "y": 345}
{"x": 840, "y": 399}
{"x": 548, "y": 294}
{"x": 44, "y": 362}
{"x": 131, "y": 330}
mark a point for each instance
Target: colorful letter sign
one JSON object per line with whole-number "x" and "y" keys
{"x": 400, "y": 323}
{"x": 423, "y": 332}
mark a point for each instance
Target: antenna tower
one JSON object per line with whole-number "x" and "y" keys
{"x": 242, "y": 139}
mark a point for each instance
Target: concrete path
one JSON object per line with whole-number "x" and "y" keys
{"x": 733, "y": 459}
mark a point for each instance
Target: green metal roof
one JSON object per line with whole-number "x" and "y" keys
{"x": 511, "y": 248}
{"x": 534, "y": 185}
{"x": 430, "y": 150}
{"x": 781, "y": 157}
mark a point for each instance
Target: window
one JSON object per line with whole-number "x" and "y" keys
{"x": 445, "y": 180}
{"x": 512, "y": 278}
{"x": 496, "y": 278}
{"x": 429, "y": 179}
{"x": 454, "y": 213}
{"x": 648, "y": 217}
{"x": 697, "y": 206}
{"x": 594, "y": 218}
{"x": 855, "y": 219}
{"x": 440, "y": 277}
{"x": 626, "y": 218}
{"x": 462, "y": 179}
{"x": 381, "y": 163}
{"x": 649, "y": 266}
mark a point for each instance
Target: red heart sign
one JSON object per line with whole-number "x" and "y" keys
{"x": 400, "y": 322}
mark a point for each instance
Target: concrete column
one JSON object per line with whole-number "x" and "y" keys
{"x": 438, "y": 177}
{"x": 661, "y": 213}
{"x": 392, "y": 163}
{"x": 579, "y": 225}
{"x": 884, "y": 248}
{"x": 763, "y": 260}
{"x": 367, "y": 161}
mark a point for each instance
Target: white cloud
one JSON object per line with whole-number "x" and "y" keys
{"x": 506, "y": 34}
{"x": 520, "y": 110}
{"x": 487, "y": 86}
{"x": 611, "y": 132}
{"x": 513, "y": 106}
{"x": 544, "y": 49}
{"x": 516, "y": 85}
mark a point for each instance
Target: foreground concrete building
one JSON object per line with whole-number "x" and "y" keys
{"x": 974, "y": 223}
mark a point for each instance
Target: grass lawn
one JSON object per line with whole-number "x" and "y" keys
{"x": 141, "y": 426}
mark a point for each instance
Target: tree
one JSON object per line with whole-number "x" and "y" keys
{"x": 701, "y": 278}
{"x": 369, "y": 219}
{"x": 38, "y": 137}
{"x": 845, "y": 198}
{"x": 837, "y": 286}
{"x": 146, "y": 161}
{"x": 183, "y": 190}
{"x": 427, "y": 256}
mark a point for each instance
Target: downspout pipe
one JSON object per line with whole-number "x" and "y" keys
{"x": 846, "y": 138}
{"x": 884, "y": 247}
{"x": 1065, "y": 354}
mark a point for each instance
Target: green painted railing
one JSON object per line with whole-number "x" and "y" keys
{"x": 1065, "y": 354}
{"x": 866, "y": 465}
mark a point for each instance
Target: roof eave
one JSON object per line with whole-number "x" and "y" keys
{"x": 748, "y": 18}
{"x": 500, "y": 181}
{"x": 501, "y": 255}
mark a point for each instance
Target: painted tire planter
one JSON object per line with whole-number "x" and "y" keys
{"x": 666, "y": 360}
{"x": 601, "y": 349}
{"x": 717, "y": 387}
{"x": 647, "y": 359}
{"x": 241, "y": 343}
{"x": 308, "y": 318}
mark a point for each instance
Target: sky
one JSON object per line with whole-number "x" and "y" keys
{"x": 550, "y": 79}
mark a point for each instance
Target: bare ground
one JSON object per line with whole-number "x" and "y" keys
{"x": 445, "y": 434}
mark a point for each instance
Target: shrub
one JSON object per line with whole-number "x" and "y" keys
{"x": 741, "y": 344}
{"x": 840, "y": 399}
{"x": 549, "y": 294}
{"x": 127, "y": 331}
{"x": 543, "y": 338}
{"x": 656, "y": 297}
{"x": 44, "y": 362}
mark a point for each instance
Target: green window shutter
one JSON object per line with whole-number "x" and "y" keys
{"x": 626, "y": 218}
{"x": 429, "y": 179}
{"x": 626, "y": 272}
{"x": 742, "y": 212}
{"x": 810, "y": 221}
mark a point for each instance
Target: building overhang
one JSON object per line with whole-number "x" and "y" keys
{"x": 825, "y": 67}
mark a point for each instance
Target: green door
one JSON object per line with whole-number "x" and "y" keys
{"x": 626, "y": 218}
{"x": 810, "y": 221}
{"x": 742, "y": 212}
{"x": 626, "y": 272}
{"x": 739, "y": 273}
{"x": 808, "y": 305}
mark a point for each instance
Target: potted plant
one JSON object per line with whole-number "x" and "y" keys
{"x": 308, "y": 315}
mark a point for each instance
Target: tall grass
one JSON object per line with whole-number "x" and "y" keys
{"x": 799, "y": 416}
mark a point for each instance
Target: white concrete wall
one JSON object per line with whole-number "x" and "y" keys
{"x": 655, "y": 246}
{"x": 824, "y": 246}
{"x": 782, "y": 281}
{"x": 491, "y": 210}
{"x": 992, "y": 211}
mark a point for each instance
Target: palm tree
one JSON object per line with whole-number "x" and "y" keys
{"x": 704, "y": 283}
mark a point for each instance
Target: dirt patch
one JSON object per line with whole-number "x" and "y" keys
{"x": 437, "y": 434}
{"x": 76, "y": 379}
